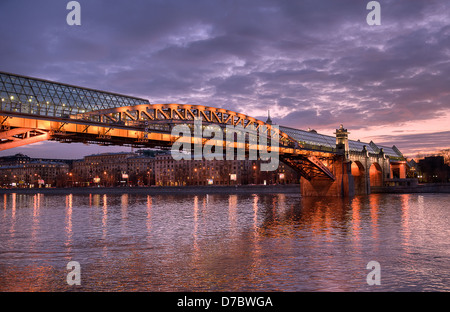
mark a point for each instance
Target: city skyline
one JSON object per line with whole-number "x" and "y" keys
{"x": 313, "y": 65}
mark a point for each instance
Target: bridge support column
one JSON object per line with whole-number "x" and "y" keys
{"x": 343, "y": 186}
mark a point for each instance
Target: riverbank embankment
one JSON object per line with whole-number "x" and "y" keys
{"x": 155, "y": 190}
{"x": 420, "y": 188}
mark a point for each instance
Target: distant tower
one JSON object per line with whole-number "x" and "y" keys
{"x": 342, "y": 140}
{"x": 268, "y": 121}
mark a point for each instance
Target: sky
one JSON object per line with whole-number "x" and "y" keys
{"x": 313, "y": 63}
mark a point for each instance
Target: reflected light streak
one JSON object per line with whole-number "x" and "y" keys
{"x": 313, "y": 215}
{"x": 374, "y": 204}
{"x": 356, "y": 218}
{"x": 13, "y": 214}
{"x": 96, "y": 200}
{"x": 69, "y": 220}
{"x": 35, "y": 222}
{"x": 196, "y": 254}
{"x": 5, "y": 204}
{"x": 124, "y": 212}
{"x": 405, "y": 220}
{"x": 281, "y": 209}
{"x": 255, "y": 214}
{"x": 105, "y": 215}
{"x": 149, "y": 213}
{"x": 105, "y": 223}
{"x": 13, "y": 211}
{"x": 232, "y": 206}
{"x": 35, "y": 205}
{"x": 257, "y": 252}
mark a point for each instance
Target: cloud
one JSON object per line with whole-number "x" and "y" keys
{"x": 418, "y": 142}
{"x": 312, "y": 63}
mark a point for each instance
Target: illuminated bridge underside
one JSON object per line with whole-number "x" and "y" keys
{"x": 308, "y": 167}
{"x": 10, "y": 138}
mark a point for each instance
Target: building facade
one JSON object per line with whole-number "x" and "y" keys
{"x": 34, "y": 174}
{"x": 169, "y": 172}
{"x": 114, "y": 169}
{"x": 153, "y": 168}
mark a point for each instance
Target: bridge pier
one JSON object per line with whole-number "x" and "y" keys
{"x": 342, "y": 186}
{"x": 355, "y": 171}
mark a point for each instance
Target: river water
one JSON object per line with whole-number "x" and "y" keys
{"x": 244, "y": 242}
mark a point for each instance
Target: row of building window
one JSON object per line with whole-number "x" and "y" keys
{"x": 129, "y": 168}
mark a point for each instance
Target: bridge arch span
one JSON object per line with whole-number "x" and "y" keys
{"x": 359, "y": 177}
{"x": 375, "y": 175}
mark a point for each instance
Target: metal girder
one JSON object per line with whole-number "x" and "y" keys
{"x": 323, "y": 169}
{"x": 21, "y": 136}
{"x": 9, "y": 134}
{"x": 308, "y": 166}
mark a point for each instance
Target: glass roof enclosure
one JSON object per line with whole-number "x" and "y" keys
{"x": 312, "y": 139}
{"x": 28, "y": 95}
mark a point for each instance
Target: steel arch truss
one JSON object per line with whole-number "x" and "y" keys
{"x": 162, "y": 117}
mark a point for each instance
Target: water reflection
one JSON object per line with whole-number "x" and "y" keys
{"x": 13, "y": 214}
{"x": 96, "y": 200}
{"x": 356, "y": 221}
{"x": 232, "y": 207}
{"x": 35, "y": 227}
{"x": 255, "y": 214}
{"x": 225, "y": 242}
{"x": 105, "y": 223}
{"x": 13, "y": 203}
{"x": 195, "y": 232}
{"x": 374, "y": 203}
{"x": 124, "y": 213}
{"x": 405, "y": 220}
{"x": 69, "y": 220}
{"x": 149, "y": 213}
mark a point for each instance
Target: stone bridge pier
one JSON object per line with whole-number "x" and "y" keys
{"x": 355, "y": 171}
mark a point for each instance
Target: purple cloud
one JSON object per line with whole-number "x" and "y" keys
{"x": 312, "y": 63}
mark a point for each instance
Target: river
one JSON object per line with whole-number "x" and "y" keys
{"x": 222, "y": 242}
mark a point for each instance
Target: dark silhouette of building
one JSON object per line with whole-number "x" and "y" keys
{"x": 433, "y": 169}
